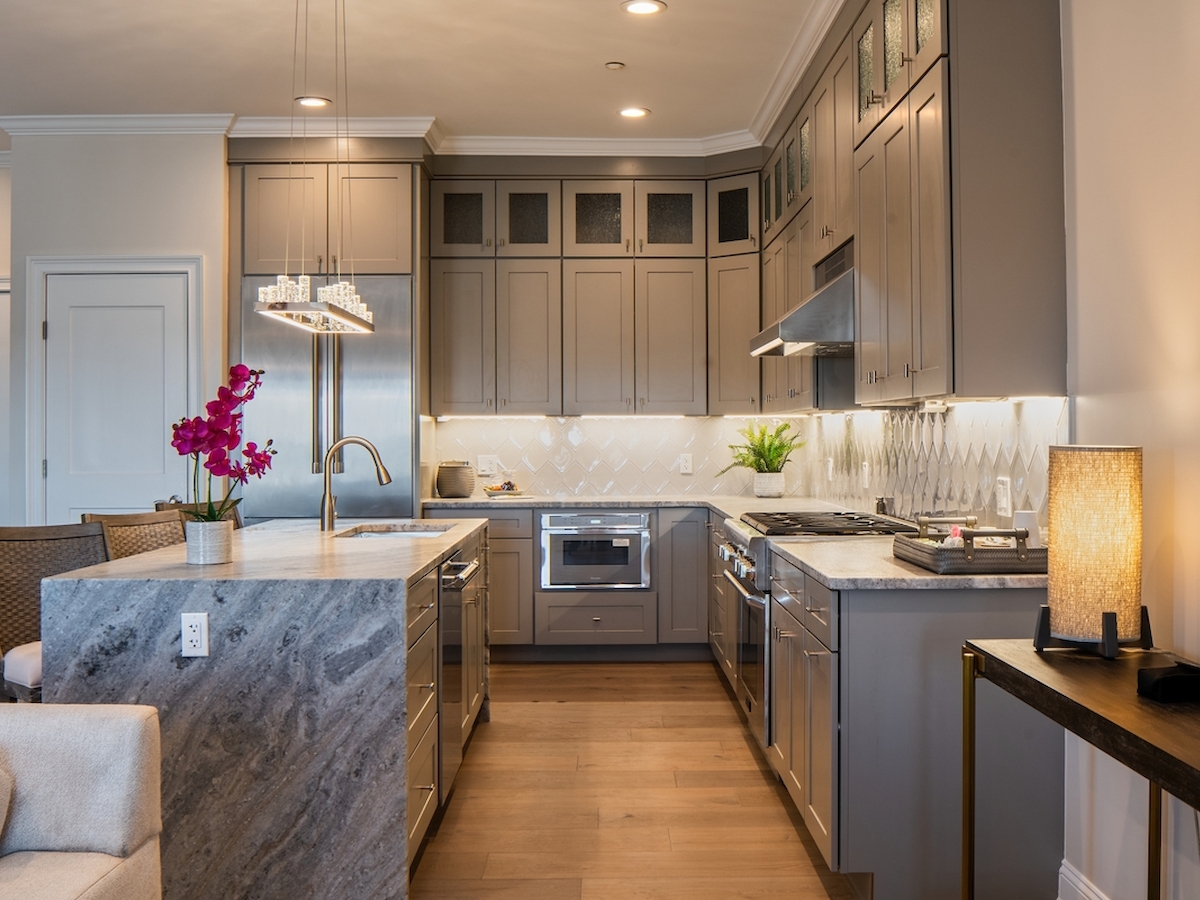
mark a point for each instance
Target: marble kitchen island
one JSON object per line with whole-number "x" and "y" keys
{"x": 284, "y": 751}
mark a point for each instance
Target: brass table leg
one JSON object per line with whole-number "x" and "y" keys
{"x": 971, "y": 667}
{"x": 1154, "y": 845}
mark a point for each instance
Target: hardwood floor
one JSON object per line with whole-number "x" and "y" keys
{"x": 607, "y": 781}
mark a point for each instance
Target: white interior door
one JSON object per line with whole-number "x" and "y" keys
{"x": 116, "y": 380}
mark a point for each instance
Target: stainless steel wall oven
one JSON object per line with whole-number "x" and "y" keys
{"x": 595, "y": 551}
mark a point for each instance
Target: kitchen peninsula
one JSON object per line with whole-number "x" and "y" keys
{"x": 287, "y": 751}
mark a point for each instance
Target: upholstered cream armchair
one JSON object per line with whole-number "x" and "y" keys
{"x": 80, "y": 804}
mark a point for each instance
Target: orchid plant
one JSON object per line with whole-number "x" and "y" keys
{"x": 216, "y": 437}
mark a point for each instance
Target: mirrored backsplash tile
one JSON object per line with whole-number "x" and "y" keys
{"x": 930, "y": 462}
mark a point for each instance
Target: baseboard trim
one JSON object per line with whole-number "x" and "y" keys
{"x": 1073, "y": 885}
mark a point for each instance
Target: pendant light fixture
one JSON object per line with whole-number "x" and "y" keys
{"x": 337, "y": 309}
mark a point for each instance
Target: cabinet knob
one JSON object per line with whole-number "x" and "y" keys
{"x": 504, "y": 401}
{"x": 489, "y": 403}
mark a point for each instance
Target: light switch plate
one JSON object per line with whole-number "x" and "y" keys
{"x": 685, "y": 464}
{"x": 1004, "y": 496}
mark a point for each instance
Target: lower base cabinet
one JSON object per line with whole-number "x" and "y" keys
{"x": 422, "y": 787}
{"x": 421, "y": 708}
{"x": 596, "y": 617}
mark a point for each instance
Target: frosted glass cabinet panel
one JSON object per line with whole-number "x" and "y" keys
{"x": 669, "y": 218}
{"x": 733, "y": 215}
{"x": 463, "y": 218}
{"x": 598, "y": 218}
{"x": 773, "y": 184}
{"x": 528, "y": 218}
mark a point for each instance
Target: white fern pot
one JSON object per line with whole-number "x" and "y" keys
{"x": 768, "y": 484}
{"x": 209, "y": 543}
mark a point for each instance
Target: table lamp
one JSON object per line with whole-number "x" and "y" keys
{"x": 1095, "y": 552}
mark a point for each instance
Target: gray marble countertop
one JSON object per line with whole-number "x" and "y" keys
{"x": 296, "y": 549}
{"x": 726, "y": 504}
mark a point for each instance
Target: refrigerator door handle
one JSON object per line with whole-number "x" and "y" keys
{"x": 318, "y": 454}
{"x": 335, "y": 398}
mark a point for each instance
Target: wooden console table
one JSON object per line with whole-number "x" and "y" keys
{"x": 1097, "y": 700}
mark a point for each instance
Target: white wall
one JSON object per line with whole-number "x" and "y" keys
{"x": 5, "y": 275}
{"x": 116, "y": 195}
{"x": 1133, "y": 223}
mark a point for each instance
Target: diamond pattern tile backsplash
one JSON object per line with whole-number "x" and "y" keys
{"x": 944, "y": 462}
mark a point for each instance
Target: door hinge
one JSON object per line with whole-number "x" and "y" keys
{"x": 45, "y": 329}
{"x": 43, "y": 468}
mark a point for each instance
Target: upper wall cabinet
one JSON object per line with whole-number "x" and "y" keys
{"x": 669, "y": 218}
{"x": 832, "y": 113}
{"x": 733, "y": 319}
{"x": 598, "y": 218}
{"x": 733, "y": 215}
{"x": 463, "y": 218}
{"x": 772, "y": 195}
{"x": 528, "y": 218}
{"x": 895, "y": 43}
{"x": 319, "y": 218}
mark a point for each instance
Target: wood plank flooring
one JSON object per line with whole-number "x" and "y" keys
{"x": 607, "y": 781}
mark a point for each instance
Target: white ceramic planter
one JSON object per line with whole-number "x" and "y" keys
{"x": 768, "y": 484}
{"x": 209, "y": 543}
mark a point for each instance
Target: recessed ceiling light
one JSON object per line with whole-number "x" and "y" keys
{"x": 635, "y": 112}
{"x": 643, "y": 7}
{"x": 614, "y": 65}
{"x": 313, "y": 101}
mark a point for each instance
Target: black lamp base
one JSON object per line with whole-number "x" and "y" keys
{"x": 1108, "y": 647}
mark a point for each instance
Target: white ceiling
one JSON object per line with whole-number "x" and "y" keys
{"x": 484, "y": 68}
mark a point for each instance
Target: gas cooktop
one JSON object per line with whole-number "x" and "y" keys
{"x": 772, "y": 523}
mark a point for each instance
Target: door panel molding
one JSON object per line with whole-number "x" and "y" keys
{"x": 37, "y": 270}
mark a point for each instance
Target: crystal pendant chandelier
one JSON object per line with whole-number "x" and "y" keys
{"x": 337, "y": 309}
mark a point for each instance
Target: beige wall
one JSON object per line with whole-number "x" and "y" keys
{"x": 1133, "y": 223}
{"x": 116, "y": 195}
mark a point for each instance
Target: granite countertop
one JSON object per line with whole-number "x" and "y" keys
{"x": 867, "y": 563}
{"x": 296, "y": 549}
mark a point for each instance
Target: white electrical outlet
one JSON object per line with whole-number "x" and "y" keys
{"x": 685, "y": 464}
{"x": 829, "y": 468}
{"x": 194, "y": 633}
{"x": 866, "y": 474}
{"x": 1004, "y": 497}
{"x": 489, "y": 465}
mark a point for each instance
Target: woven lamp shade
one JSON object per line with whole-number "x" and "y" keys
{"x": 1095, "y": 545}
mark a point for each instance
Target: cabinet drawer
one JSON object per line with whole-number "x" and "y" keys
{"x": 821, "y": 612}
{"x": 594, "y": 618}
{"x": 787, "y": 586}
{"x": 422, "y": 787}
{"x": 421, "y": 681}
{"x": 510, "y": 523}
{"x": 422, "y": 606}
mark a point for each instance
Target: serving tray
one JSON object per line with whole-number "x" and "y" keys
{"x": 971, "y": 559}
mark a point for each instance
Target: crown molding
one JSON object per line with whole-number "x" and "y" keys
{"x": 475, "y": 145}
{"x": 26, "y": 125}
{"x": 329, "y": 126}
{"x": 804, "y": 48}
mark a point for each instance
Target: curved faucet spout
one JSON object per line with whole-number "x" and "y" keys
{"x": 328, "y": 501}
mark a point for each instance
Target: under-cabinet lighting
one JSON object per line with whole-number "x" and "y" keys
{"x": 643, "y": 7}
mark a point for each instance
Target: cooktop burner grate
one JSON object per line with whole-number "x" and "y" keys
{"x": 785, "y": 523}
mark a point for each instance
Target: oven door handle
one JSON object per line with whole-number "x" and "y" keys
{"x": 746, "y": 595}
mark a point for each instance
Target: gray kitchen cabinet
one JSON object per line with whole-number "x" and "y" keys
{"x": 668, "y": 218}
{"x": 597, "y": 218}
{"x": 496, "y": 333}
{"x": 595, "y": 617}
{"x": 681, "y": 560}
{"x": 510, "y": 574}
{"x": 774, "y": 293}
{"x": 832, "y": 105}
{"x": 598, "y": 337}
{"x": 722, "y": 627}
{"x": 733, "y": 319}
{"x": 462, "y": 218}
{"x": 733, "y": 218}
{"x": 474, "y": 640}
{"x": 462, "y": 300}
{"x": 421, "y": 708}
{"x": 788, "y": 382}
{"x": 773, "y": 197}
{"x": 798, "y": 160}
{"x": 786, "y": 752}
{"x": 320, "y": 219}
{"x": 820, "y": 774}
{"x": 529, "y": 363}
{"x": 671, "y": 334}
{"x": 528, "y": 218}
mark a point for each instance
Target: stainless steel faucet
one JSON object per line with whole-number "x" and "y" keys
{"x": 328, "y": 501}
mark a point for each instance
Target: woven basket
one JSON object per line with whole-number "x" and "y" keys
{"x": 455, "y": 479}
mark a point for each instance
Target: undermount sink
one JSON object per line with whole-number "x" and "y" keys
{"x": 395, "y": 530}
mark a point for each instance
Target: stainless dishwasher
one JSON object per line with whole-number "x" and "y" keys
{"x": 460, "y": 646}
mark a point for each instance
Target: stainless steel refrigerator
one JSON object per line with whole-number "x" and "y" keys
{"x": 319, "y": 388}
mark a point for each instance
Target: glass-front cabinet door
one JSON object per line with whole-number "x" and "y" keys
{"x": 463, "y": 218}
{"x": 598, "y": 218}
{"x": 773, "y": 194}
{"x": 528, "y": 218}
{"x": 926, "y": 35}
{"x": 668, "y": 218}
{"x": 733, "y": 215}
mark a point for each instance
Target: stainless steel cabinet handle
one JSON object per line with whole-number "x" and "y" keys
{"x": 500, "y": 242}
{"x": 626, "y": 245}
{"x": 333, "y": 263}
{"x": 907, "y": 370}
{"x": 426, "y": 787}
{"x": 335, "y": 398}
{"x": 319, "y": 259}
{"x": 641, "y": 245}
{"x": 753, "y": 241}
{"x": 425, "y": 687}
{"x": 787, "y": 634}
{"x": 426, "y": 606}
{"x": 318, "y": 454}
{"x": 488, "y": 242}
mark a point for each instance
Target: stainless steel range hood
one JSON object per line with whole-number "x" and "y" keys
{"x": 823, "y": 325}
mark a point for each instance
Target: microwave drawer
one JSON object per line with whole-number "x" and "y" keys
{"x": 584, "y": 617}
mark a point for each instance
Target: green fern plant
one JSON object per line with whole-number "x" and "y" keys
{"x": 764, "y": 450}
